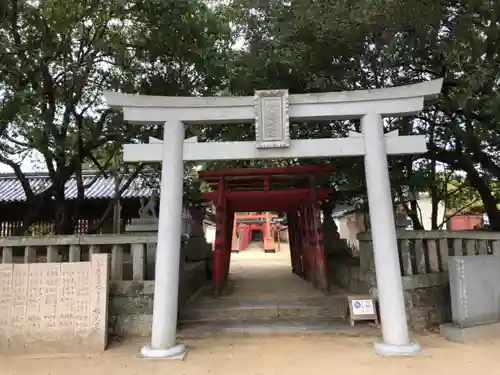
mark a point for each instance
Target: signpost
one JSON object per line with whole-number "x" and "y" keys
{"x": 361, "y": 307}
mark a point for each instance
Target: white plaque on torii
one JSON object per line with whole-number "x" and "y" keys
{"x": 271, "y": 119}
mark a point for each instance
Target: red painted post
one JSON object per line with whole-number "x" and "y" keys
{"x": 321, "y": 258}
{"x": 321, "y": 274}
{"x": 292, "y": 241}
{"x": 304, "y": 244}
{"x": 227, "y": 253}
{"x": 220, "y": 238}
{"x": 310, "y": 242}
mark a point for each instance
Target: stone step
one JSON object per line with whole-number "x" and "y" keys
{"x": 277, "y": 325}
{"x": 223, "y": 310}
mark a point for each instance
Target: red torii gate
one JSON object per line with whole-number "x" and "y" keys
{"x": 290, "y": 190}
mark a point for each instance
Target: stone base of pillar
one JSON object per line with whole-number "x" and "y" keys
{"x": 387, "y": 350}
{"x": 270, "y": 251}
{"x": 177, "y": 352}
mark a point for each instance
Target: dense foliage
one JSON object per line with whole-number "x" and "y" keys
{"x": 56, "y": 58}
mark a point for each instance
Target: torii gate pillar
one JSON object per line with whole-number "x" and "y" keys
{"x": 168, "y": 249}
{"x": 385, "y": 247}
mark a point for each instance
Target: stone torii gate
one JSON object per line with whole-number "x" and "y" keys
{"x": 271, "y": 111}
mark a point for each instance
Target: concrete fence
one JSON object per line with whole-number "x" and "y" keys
{"x": 130, "y": 277}
{"x": 427, "y": 252}
{"x": 128, "y": 251}
{"x": 423, "y": 261}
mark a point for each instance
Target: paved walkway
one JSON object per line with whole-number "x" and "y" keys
{"x": 255, "y": 275}
{"x": 264, "y": 296}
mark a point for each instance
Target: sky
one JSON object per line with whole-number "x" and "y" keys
{"x": 29, "y": 164}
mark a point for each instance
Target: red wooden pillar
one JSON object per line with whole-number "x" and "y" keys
{"x": 304, "y": 243}
{"x": 227, "y": 249}
{"x": 220, "y": 238}
{"x": 292, "y": 233}
{"x": 311, "y": 254}
{"x": 236, "y": 238}
{"x": 321, "y": 270}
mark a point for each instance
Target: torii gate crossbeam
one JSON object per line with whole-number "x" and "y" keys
{"x": 271, "y": 111}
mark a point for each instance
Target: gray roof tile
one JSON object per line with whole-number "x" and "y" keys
{"x": 103, "y": 187}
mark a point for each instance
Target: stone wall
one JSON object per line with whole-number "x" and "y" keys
{"x": 54, "y": 306}
{"x": 346, "y": 273}
{"x": 426, "y": 296}
{"x": 131, "y": 302}
{"x": 130, "y": 287}
{"x": 428, "y": 306}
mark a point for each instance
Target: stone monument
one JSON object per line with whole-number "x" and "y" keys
{"x": 475, "y": 298}
{"x": 54, "y": 307}
{"x": 148, "y": 220}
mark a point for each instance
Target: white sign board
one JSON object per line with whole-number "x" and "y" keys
{"x": 361, "y": 307}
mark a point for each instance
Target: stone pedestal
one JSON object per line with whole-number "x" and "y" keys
{"x": 269, "y": 245}
{"x": 475, "y": 298}
{"x": 144, "y": 225}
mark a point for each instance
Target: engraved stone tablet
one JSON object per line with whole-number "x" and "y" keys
{"x": 54, "y": 307}
{"x": 5, "y": 302}
{"x": 474, "y": 289}
{"x": 271, "y": 120}
{"x": 18, "y": 306}
{"x": 99, "y": 300}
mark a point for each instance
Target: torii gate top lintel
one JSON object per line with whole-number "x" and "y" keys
{"x": 271, "y": 111}
{"x": 392, "y": 101}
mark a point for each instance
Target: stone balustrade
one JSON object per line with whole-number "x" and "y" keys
{"x": 131, "y": 280}
{"x": 424, "y": 252}
{"x": 128, "y": 251}
{"x": 423, "y": 261}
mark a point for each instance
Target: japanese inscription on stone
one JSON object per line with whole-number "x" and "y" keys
{"x": 18, "y": 307}
{"x": 474, "y": 289}
{"x": 61, "y": 306}
{"x": 5, "y": 301}
{"x": 271, "y": 120}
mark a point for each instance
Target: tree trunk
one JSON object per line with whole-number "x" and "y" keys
{"x": 434, "y": 211}
{"x": 64, "y": 221}
{"x": 435, "y": 198}
{"x": 36, "y": 205}
{"x": 413, "y": 214}
{"x": 489, "y": 201}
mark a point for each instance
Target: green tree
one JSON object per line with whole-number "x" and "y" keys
{"x": 57, "y": 58}
{"x": 330, "y": 46}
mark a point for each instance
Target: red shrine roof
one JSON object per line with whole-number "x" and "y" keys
{"x": 256, "y": 178}
{"x": 266, "y": 189}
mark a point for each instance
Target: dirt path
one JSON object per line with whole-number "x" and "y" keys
{"x": 265, "y": 276}
{"x": 262, "y": 355}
